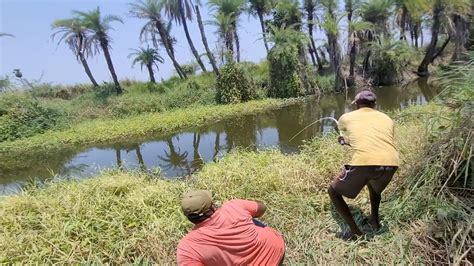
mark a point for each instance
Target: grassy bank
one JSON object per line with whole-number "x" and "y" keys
{"x": 129, "y": 217}
{"x": 100, "y": 131}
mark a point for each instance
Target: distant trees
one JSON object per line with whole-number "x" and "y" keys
{"x": 156, "y": 28}
{"x": 378, "y": 33}
{"x": 147, "y": 57}
{"x": 98, "y": 26}
{"x": 73, "y": 33}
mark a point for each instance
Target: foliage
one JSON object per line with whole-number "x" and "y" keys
{"x": 233, "y": 85}
{"x": 100, "y": 131}
{"x": 65, "y": 222}
{"x": 22, "y": 116}
{"x": 5, "y": 83}
{"x": 325, "y": 83}
{"x": 146, "y": 57}
{"x": 190, "y": 69}
{"x": 389, "y": 60}
{"x": 287, "y": 13}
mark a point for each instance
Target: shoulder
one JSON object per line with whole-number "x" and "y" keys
{"x": 384, "y": 116}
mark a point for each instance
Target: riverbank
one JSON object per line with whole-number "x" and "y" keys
{"x": 125, "y": 217}
{"x": 102, "y": 131}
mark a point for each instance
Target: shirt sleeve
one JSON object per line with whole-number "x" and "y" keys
{"x": 185, "y": 258}
{"x": 250, "y": 207}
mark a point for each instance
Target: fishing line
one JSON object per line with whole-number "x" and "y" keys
{"x": 317, "y": 121}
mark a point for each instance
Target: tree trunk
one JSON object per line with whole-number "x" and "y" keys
{"x": 441, "y": 49}
{"x": 150, "y": 72}
{"x": 204, "y": 41}
{"x": 416, "y": 35}
{"x": 188, "y": 37}
{"x": 352, "y": 59}
{"x": 312, "y": 44}
{"x": 105, "y": 47}
{"x": 87, "y": 69}
{"x": 403, "y": 22}
{"x": 335, "y": 58}
{"x": 423, "y": 68}
{"x": 460, "y": 32}
{"x": 82, "y": 58}
{"x": 311, "y": 53}
{"x": 237, "y": 43}
{"x": 262, "y": 25}
{"x": 164, "y": 38}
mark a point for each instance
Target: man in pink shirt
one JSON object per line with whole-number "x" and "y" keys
{"x": 228, "y": 235}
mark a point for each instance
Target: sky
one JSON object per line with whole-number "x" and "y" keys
{"x": 38, "y": 56}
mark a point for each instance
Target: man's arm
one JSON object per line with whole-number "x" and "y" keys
{"x": 253, "y": 208}
{"x": 261, "y": 208}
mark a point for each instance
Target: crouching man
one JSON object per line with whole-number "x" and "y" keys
{"x": 374, "y": 162}
{"x": 228, "y": 235}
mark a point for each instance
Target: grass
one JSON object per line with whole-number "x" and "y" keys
{"x": 129, "y": 217}
{"x": 101, "y": 130}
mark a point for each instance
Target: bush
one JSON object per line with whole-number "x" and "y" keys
{"x": 22, "y": 116}
{"x": 233, "y": 85}
{"x": 325, "y": 83}
{"x": 285, "y": 81}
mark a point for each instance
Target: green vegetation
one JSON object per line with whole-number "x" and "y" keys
{"x": 130, "y": 217}
{"x": 233, "y": 85}
{"x": 99, "y": 131}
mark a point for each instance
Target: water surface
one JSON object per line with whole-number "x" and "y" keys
{"x": 182, "y": 153}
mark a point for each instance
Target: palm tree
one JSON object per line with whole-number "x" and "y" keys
{"x": 155, "y": 26}
{"x": 331, "y": 26}
{"x": 310, "y": 7}
{"x": 356, "y": 31}
{"x": 99, "y": 26}
{"x": 73, "y": 33}
{"x": 181, "y": 11}
{"x": 260, "y": 8}
{"x": 148, "y": 57}
{"x": 212, "y": 60}
{"x": 376, "y": 12}
{"x": 229, "y": 11}
{"x": 224, "y": 31}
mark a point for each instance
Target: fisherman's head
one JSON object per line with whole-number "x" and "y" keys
{"x": 197, "y": 205}
{"x": 365, "y": 98}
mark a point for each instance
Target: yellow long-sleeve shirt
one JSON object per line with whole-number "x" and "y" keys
{"x": 370, "y": 134}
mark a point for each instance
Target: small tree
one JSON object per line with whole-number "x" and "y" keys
{"x": 149, "y": 58}
{"x": 232, "y": 85}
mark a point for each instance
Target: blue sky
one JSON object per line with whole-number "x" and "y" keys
{"x": 34, "y": 52}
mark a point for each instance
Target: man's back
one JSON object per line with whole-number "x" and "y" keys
{"x": 229, "y": 237}
{"x": 370, "y": 133}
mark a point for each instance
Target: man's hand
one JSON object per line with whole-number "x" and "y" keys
{"x": 341, "y": 140}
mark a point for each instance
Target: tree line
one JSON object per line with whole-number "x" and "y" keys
{"x": 381, "y": 36}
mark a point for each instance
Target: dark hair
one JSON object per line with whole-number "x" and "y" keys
{"x": 196, "y": 218}
{"x": 364, "y": 103}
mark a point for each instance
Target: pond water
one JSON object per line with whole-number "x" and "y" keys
{"x": 183, "y": 153}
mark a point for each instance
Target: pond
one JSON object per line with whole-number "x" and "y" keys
{"x": 183, "y": 153}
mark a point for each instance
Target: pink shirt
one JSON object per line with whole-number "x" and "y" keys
{"x": 229, "y": 237}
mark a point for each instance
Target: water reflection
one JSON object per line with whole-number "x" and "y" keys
{"x": 186, "y": 152}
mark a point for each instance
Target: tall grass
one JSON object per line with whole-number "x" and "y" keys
{"x": 129, "y": 217}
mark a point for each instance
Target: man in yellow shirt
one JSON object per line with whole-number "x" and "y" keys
{"x": 374, "y": 162}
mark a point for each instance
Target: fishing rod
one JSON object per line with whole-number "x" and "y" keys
{"x": 341, "y": 141}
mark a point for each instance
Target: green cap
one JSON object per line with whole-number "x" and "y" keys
{"x": 196, "y": 203}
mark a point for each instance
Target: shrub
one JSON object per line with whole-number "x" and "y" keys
{"x": 22, "y": 116}
{"x": 233, "y": 85}
{"x": 325, "y": 83}
{"x": 285, "y": 81}
{"x": 189, "y": 69}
